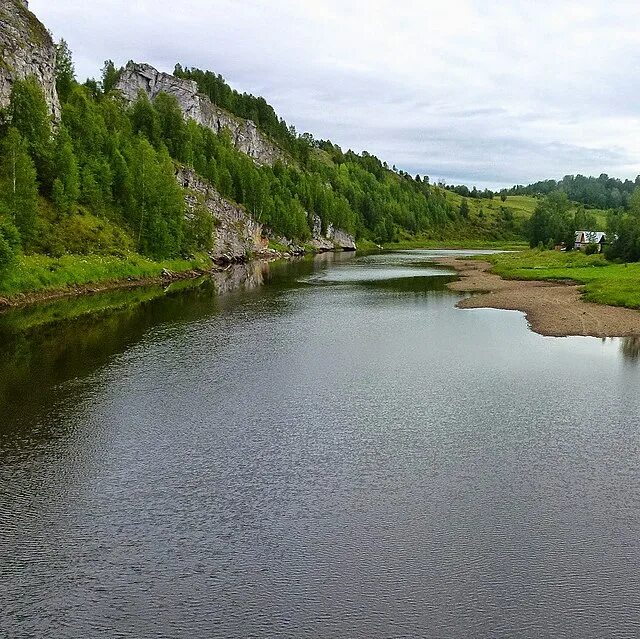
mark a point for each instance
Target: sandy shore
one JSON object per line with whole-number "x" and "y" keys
{"x": 551, "y": 308}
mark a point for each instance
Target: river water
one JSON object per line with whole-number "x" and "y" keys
{"x": 326, "y": 448}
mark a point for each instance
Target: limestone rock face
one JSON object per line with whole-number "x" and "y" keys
{"x": 341, "y": 239}
{"x": 236, "y": 234}
{"x": 331, "y": 240}
{"x": 245, "y": 135}
{"x": 26, "y": 48}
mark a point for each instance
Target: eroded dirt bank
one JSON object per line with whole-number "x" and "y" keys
{"x": 551, "y": 308}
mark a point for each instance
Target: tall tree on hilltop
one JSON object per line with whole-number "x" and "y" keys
{"x": 110, "y": 76}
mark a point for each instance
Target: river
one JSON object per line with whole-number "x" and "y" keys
{"x": 326, "y": 448}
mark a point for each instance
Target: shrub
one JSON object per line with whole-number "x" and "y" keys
{"x": 9, "y": 242}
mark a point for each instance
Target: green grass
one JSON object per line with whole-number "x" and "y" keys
{"x": 277, "y": 246}
{"x": 522, "y": 207}
{"x": 604, "y": 282}
{"x": 32, "y": 273}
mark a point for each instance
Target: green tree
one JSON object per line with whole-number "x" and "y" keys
{"x": 552, "y": 222}
{"x": 110, "y": 76}
{"x": 158, "y": 203}
{"x": 66, "y": 186}
{"x": 464, "y": 208}
{"x": 171, "y": 124}
{"x": 18, "y": 184}
{"x": 144, "y": 119}
{"x": 9, "y": 239}
{"x": 624, "y": 231}
{"x": 29, "y": 114}
{"x": 65, "y": 72}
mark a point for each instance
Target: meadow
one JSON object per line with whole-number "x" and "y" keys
{"x": 603, "y": 281}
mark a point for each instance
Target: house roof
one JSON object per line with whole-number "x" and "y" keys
{"x": 590, "y": 237}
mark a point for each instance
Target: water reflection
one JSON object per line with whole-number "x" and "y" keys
{"x": 267, "y": 453}
{"x": 630, "y": 347}
{"x": 44, "y": 345}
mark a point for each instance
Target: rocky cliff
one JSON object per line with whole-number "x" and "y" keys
{"x": 332, "y": 239}
{"x": 245, "y": 135}
{"x": 236, "y": 234}
{"x": 26, "y": 48}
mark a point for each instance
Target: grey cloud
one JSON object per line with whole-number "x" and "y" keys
{"x": 485, "y": 93}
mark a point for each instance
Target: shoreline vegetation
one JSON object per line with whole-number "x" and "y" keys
{"x": 561, "y": 294}
{"x": 36, "y": 278}
{"x": 39, "y": 278}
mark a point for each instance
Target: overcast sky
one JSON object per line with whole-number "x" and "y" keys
{"x": 481, "y": 92}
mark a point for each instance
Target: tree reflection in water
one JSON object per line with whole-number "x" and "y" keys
{"x": 630, "y": 347}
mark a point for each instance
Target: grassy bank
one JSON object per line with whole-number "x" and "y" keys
{"x": 604, "y": 282}
{"x": 38, "y": 273}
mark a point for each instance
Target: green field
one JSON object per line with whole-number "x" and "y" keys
{"x": 604, "y": 282}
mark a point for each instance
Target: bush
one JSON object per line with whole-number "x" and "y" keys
{"x": 9, "y": 242}
{"x": 592, "y": 249}
{"x": 6, "y": 254}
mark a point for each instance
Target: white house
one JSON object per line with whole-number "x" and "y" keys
{"x": 583, "y": 238}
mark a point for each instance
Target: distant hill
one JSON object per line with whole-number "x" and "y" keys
{"x": 602, "y": 192}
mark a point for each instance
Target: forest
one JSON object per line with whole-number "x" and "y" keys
{"x": 601, "y": 192}
{"x": 102, "y": 181}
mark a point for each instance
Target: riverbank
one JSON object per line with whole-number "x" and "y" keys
{"x": 553, "y": 308}
{"x": 39, "y": 278}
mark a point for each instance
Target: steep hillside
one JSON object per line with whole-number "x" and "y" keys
{"x": 245, "y": 135}
{"x": 147, "y": 170}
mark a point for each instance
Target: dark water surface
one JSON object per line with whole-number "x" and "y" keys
{"x": 339, "y": 452}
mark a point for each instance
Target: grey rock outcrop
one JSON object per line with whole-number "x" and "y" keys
{"x": 245, "y": 135}
{"x": 236, "y": 235}
{"x": 341, "y": 239}
{"x": 26, "y": 48}
{"x": 331, "y": 240}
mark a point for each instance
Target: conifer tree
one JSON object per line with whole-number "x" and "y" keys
{"x": 110, "y": 76}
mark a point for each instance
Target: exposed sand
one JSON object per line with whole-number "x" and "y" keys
{"x": 551, "y": 308}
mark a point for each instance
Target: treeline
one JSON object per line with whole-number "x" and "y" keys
{"x": 601, "y": 192}
{"x": 473, "y": 192}
{"x": 382, "y": 201}
{"x": 555, "y": 221}
{"x": 102, "y": 180}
